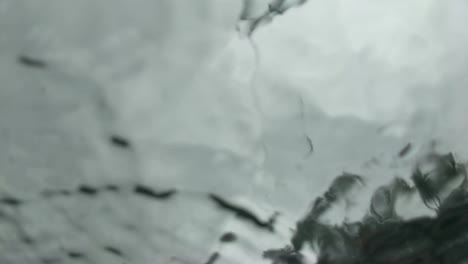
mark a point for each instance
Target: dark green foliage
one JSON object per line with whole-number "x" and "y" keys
{"x": 426, "y": 189}
{"x": 382, "y": 237}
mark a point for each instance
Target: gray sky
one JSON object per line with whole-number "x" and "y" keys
{"x": 205, "y": 114}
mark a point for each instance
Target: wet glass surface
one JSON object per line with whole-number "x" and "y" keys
{"x": 247, "y": 131}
